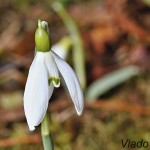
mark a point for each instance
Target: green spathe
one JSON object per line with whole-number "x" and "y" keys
{"x": 42, "y": 39}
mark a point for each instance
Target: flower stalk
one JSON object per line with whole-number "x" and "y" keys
{"x": 46, "y": 134}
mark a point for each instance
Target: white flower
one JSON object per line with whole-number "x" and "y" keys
{"x": 44, "y": 76}
{"x": 45, "y": 67}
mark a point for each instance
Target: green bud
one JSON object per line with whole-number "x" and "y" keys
{"x": 42, "y": 38}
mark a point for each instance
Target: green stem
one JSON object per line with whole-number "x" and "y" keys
{"x": 78, "y": 52}
{"x": 45, "y": 131}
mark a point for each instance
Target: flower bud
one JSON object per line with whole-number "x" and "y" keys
{"x": 42, "y": 39}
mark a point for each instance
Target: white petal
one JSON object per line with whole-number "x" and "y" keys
{"x": 60, "y": 51}
{"x": 37, "y": 91}
{"x": 52, "y": 69}
{"x": 51, "y": 89}
{"x": 71, "y": 81}
{"x": 62, "y": 47}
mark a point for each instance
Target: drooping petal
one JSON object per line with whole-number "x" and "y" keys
{"x": 37, "y": 92}
{"x": 71, "y": 81}
{"x": 52, "y": 70}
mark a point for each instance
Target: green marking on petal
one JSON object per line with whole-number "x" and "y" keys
{"x": 56, "y": 81}
{"x": 42, "y": 38}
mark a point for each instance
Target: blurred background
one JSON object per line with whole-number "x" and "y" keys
{"x": 107, "y": 43}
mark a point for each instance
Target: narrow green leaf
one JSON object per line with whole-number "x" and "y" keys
{"x": 78, "y": 52}
{"x": 110, "y": 81}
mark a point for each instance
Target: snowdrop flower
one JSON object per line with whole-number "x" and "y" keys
{"x": 45, "y": 73}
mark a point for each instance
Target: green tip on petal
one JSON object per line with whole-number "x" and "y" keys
{"x": 42, "y": 38}
{"x": 56, "y": 81}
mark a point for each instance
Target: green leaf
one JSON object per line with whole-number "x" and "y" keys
{"x": 110, "y": 81}
{"x": 78, "y": 50}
